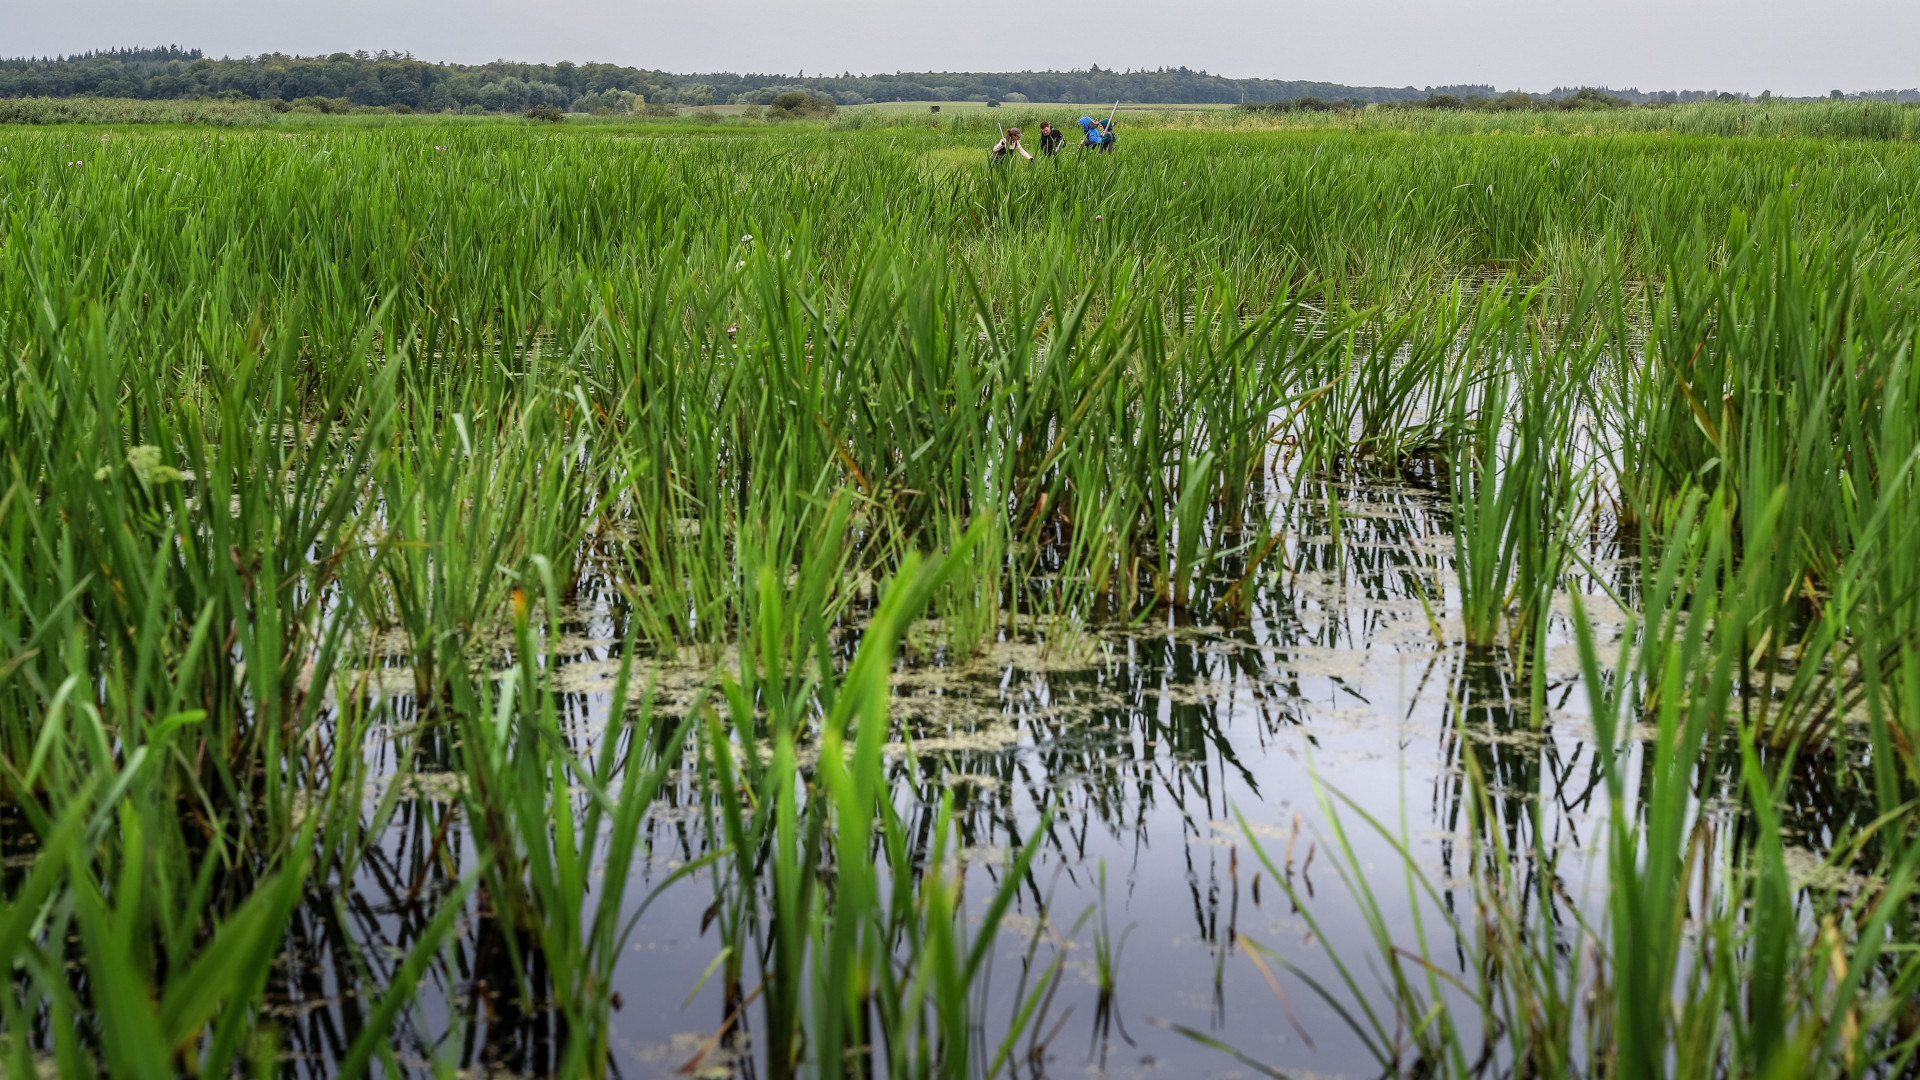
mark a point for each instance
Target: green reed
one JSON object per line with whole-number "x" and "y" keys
{"x": 279, "y": 409}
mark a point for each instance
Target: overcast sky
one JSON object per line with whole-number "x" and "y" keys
{"x": 1787, "y": 46}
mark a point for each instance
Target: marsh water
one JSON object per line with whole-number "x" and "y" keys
{"x": 1250, "y": 796}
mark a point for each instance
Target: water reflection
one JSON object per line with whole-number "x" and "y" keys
{"x": 1168, "y": 754}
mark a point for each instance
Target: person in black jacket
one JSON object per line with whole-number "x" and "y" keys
{"x": 1050, "y": 139}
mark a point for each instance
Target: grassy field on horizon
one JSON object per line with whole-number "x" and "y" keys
{"x": 1824, "y": 120}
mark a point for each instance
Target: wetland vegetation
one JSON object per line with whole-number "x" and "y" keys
{"x": 552, "y": 601}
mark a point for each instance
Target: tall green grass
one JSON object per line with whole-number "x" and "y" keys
{"x": 536, "y": 223}
{"x": 278, "y": 411}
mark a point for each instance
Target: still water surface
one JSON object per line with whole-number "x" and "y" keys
{"x": 1169, "y": 752}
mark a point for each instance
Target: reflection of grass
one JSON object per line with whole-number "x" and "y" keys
{"x": 1706, "y": 956}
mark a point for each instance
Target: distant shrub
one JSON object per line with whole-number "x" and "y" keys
{"x": 330, "y": 106}
{"x": 1511, "y": 101}
{"x": 795, "y": 104}
{"x": 548, "y": 113}
{"x": 1589, "y": 98}
{"x": 1586, "y": 98}
{"x": 1302, "y": 104}
{"x": 605, "y": 102}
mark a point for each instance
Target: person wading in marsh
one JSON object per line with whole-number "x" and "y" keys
{"x": 1009, "y": 144}
{"x": 1050, "y": 139}
{"x": 1097, "y": 139}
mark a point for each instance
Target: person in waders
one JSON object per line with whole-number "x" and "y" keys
{"x": 1096, "y": 138}
{"x": 1009, "y": 144}
{"x": 1107, "y": 137}
{"x": 1050, "y": 139}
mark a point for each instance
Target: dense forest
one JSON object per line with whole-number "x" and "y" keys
{"x": 386, "y": 79}
{"x": 399, "y": 81}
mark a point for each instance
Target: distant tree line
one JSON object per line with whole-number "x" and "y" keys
{"x": 380, "y": 80}
{"x": 1168, "y": 85}
{"x": 384, "y": 79}
{"x": 1586, "y": 97}
{"x": 341, "y": 81}
{"x": 390, "y": 80}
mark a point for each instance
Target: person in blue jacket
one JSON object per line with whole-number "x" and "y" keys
{"x": 1096, "y": 138}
